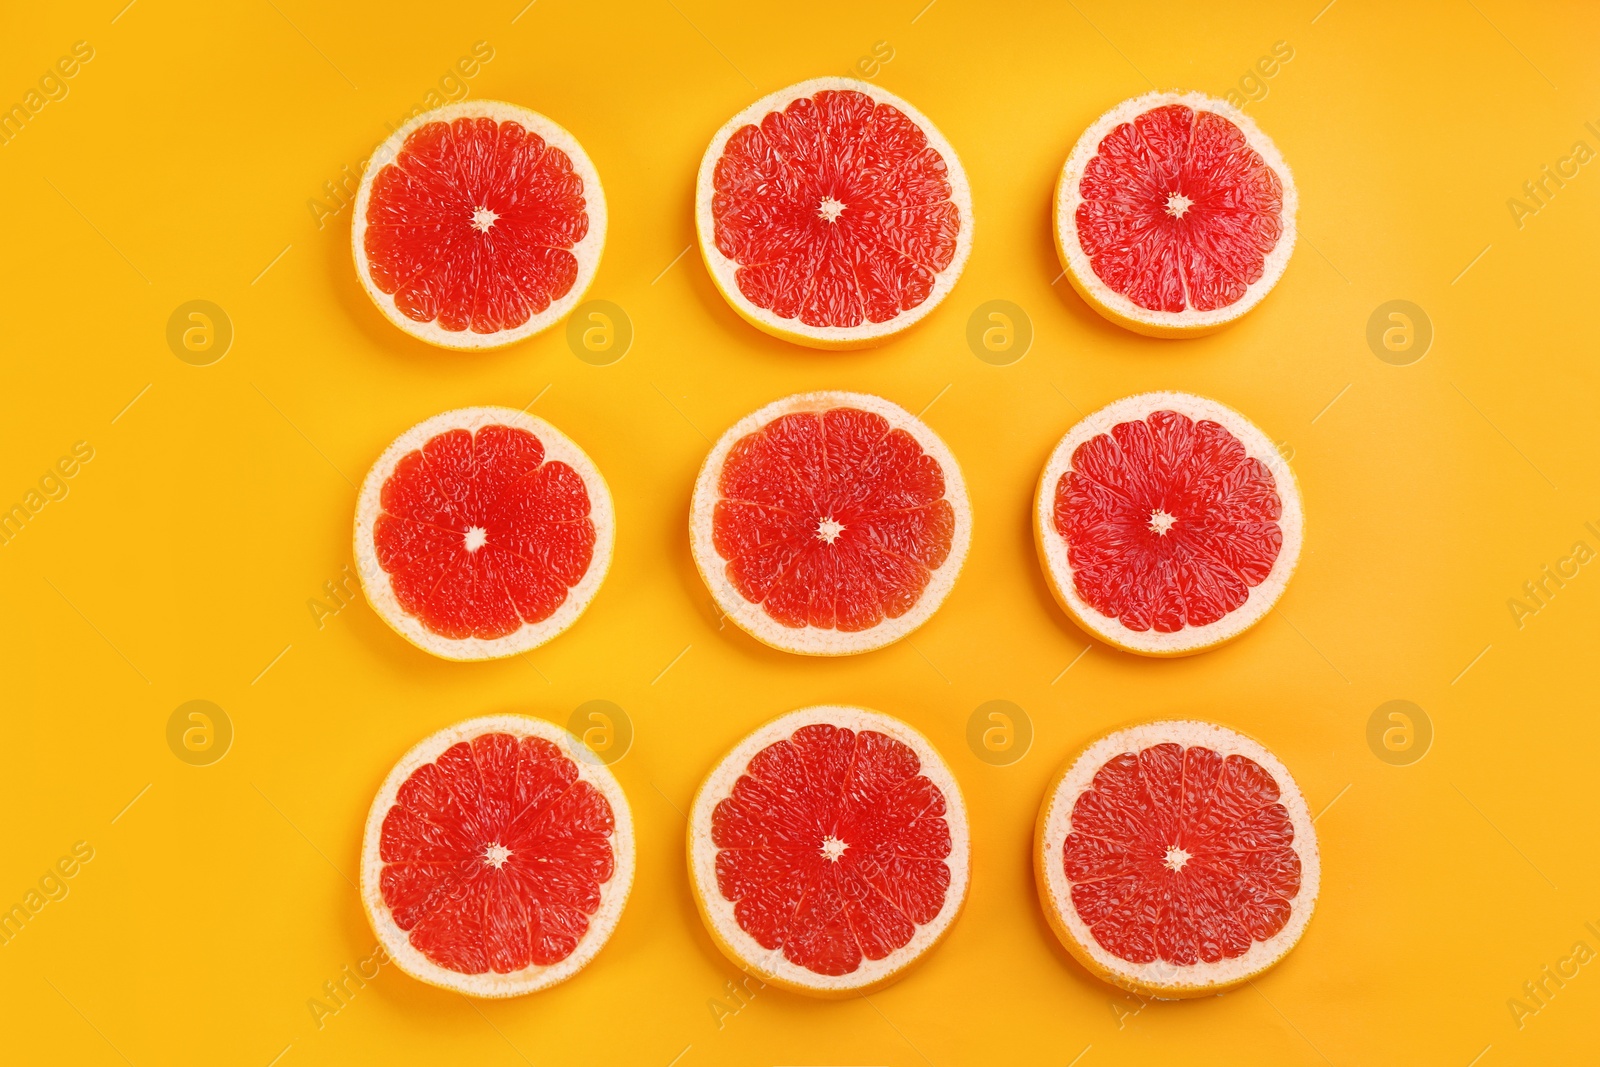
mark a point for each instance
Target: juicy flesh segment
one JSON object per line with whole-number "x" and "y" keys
{"x": 1168, "y": 522}
{"x": 1181, "y": 855}
{"x": 473, "y": 225}
{"x": 1178, "y": 211}
{"x": 836, "y": 209}
{"x": 494, "y": 855}
{"x": 480, "y": 535}
{"x": 833, "y": 847}
{"x": 832, "y": 519}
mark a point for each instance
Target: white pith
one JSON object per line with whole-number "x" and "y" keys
{"x": 587, "y": 251}
{"x": 613, "y": 893}
{"x": 375, "y": 581}
{"x": 811, "y": 640}
{"x": 724, "y": 270}
{"x": 1075, "y": 260}
{"x": 1160, "y": 978}
{"x": 1053, "y": 547}
{"x": 718, "y": 912}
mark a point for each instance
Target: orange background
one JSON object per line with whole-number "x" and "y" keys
{"x": 179, "y": 564}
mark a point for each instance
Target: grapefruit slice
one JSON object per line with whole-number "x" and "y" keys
{"x": 482, "y": 532}
{"x": 493, "y": 864}
{"x": 1174, "y": 214}
{"x": 1176, "y": 859}
{"x": 478, "y": 224}
{"x": 1167, "y": 524}
{"x": 828, "y": 851}
{"x": 830, "y": 523}
{"x": 833, "y": 214}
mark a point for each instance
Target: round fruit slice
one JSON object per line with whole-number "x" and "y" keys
{"x": 830, "y": 523}
{"x": 478, "y": 224}
{"x": 1176, "y": 859}
{"x": 1167, "y": 523}
{"x": 493, "y": 863}
{"x": 1174, "y": 214}
{"x": 482, "y": 532}
{"x": 828, "y": 851}
{"x": 833, "y": 214}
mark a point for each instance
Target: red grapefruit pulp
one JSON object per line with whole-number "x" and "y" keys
{"x": 494, "y": 864}
{"x": 1177, "y": 856}
{"x": 478, "y": 224}
{"x": 829, "y": 523}
{"x": 833, "y": 214}
{"x": 483, "y": 532}
{"x": 829, "y": 850}
{"x": 1167, "y": 523}
{"x": 1174, "y": 213}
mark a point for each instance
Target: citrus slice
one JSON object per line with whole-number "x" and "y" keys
{"x": 482, "y": 532}
{"x": 833, "y": 214}
{"x": 829, "y": 523}
{"x": 478, "y": 224}
{"x": 1176, "y": 859}
{"x": 1167, "y": 523}
{"x": 828, "y": 851}
{"x": 1174, "y": 214}
{"x": 493, "y": 863}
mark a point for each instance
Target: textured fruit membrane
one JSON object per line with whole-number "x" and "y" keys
{"x": 1179, "y": 211}
{"x": 1168, "y": 522}
{"x": 494, "y": 854}
{"x": 833, "y": 847}
{"x": 479, "y": 535}
{"x": 836, "y": 209}
{"x": 832, "y": 519}
{"x": 1181, "y": 855}
{"x": 473, "y": 224}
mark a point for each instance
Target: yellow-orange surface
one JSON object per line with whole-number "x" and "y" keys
{"x": 204, "y": 151}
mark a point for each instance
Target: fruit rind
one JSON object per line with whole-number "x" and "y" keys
{"x": 1052, "y": 547}
{"x": 723, "y": 270}
{"x": 613, "y": 892}
{"x": 752, "y": 618}
{"x": 1112, "y": 304}
{"x": 1160, "y": 979}
{"x": 375, "y": 581}
{"x": 770, "y": 965}
{"x": 587, "y": 251}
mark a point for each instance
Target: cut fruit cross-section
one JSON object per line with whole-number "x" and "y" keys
{"x": 1174, "y": 214}
{"x": 482, "y": 532}
{"x": 833, "y": 214}
{"x": 828, "y": 851}
{"x": 1176, "y": 859}
{"x": 493, "y": 863}
{"x": 829, "y": 523}
{"x": 478, "y": 224}
{"x": 1167, "y": 523}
